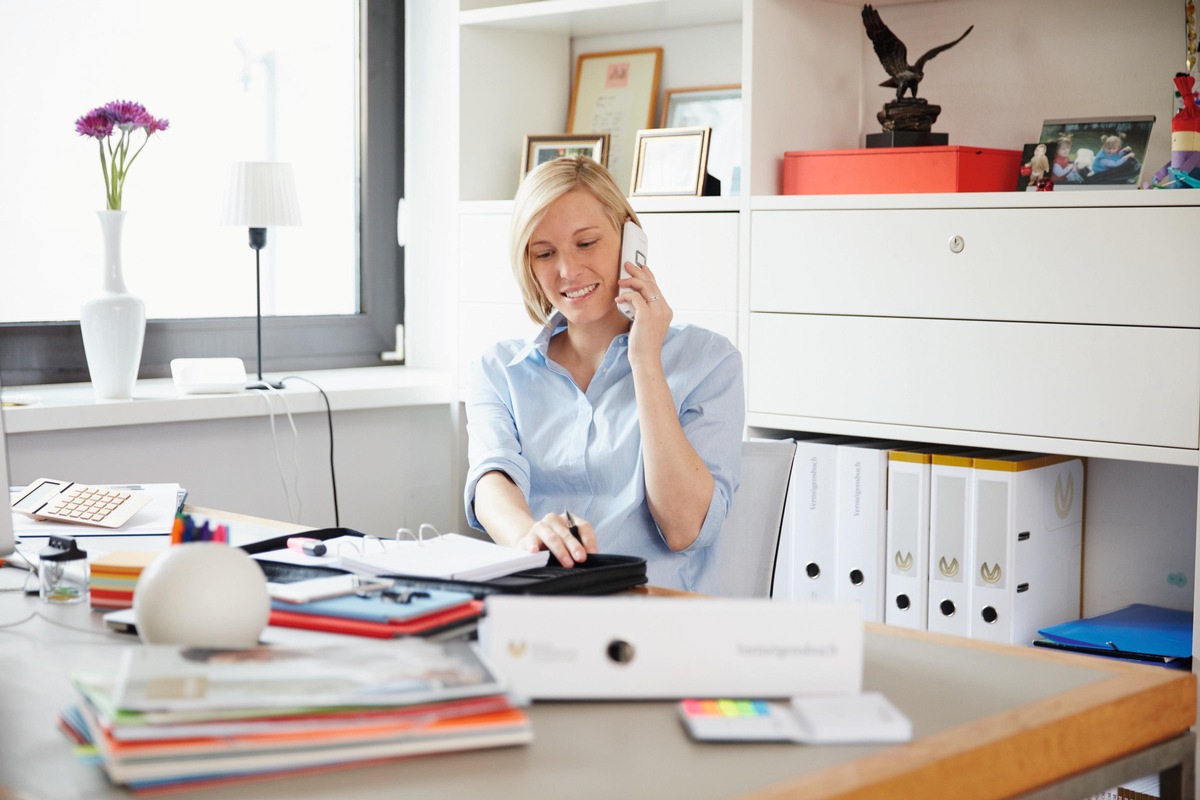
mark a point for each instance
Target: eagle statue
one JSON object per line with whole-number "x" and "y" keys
{"x": 894, "y": 55}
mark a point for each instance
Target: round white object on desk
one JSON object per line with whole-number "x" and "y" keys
{"x": 202, "y": 594}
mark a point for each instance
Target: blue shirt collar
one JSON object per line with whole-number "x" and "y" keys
{"x": 541, "y": 343}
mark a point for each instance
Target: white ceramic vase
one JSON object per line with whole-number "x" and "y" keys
{"x": 113, "y": 324}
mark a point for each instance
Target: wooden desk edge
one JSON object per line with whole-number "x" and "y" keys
{"x": 1025, "y": 748}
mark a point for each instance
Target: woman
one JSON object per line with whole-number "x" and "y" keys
{"x": 628, "y": 432}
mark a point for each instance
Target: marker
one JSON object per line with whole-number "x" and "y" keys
{"x": 309, "y": 547}
{"x": 572, "y": 527}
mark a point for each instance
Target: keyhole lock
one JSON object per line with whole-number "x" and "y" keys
{"x": 957, "y": 243}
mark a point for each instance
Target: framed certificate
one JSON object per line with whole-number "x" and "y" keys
{"x": 614, "y": 93}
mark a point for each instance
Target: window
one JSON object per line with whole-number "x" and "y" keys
{"x": 318, "y": 85}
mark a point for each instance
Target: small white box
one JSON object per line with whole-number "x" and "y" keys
{"x": 208, "y": 375}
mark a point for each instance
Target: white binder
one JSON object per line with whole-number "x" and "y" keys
{"x": 1027, "y": 530}
{"x": 627, "y": 647}
{"x": 949, "y": 607}
{"x": 862, "y": 524}
{"x": 906, "y": 556}
{"x": 806, "y": 564}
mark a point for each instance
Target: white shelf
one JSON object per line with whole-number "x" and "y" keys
{"x": 601, "y": 17}
{"x": 1068, "y": 199}
{"x": 72, "y": 406}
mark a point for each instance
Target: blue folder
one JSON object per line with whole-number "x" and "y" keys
{"x": 1136, "y": 630}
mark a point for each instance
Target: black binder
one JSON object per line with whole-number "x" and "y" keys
{"x": 601, "y": 573}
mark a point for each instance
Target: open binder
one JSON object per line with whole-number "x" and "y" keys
{"x": 601, "y": 573}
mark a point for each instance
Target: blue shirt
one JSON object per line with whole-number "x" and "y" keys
{"x": 567, "y": 449}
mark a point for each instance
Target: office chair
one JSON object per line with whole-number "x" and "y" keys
{"x": 750, "y": 537}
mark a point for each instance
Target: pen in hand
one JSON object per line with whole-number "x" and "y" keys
{"x": 573, "y": 528}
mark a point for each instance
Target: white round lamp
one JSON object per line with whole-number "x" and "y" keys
{"x": 202, "y": 594}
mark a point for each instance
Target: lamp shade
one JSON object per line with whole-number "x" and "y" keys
{"x": 261, "y": 194}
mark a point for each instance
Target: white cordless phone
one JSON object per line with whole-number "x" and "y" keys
{"x": 633, "y": 250}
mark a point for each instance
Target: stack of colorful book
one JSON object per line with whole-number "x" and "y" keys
{"x": 171, "y": 718}
{"x": 114, "y": 577}
{"x": 385, "y": 614}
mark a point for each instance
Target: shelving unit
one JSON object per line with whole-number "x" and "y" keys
{"x": 1106, "y": 276}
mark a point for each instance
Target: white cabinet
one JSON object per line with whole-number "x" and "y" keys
{"x": 865, "y": 320}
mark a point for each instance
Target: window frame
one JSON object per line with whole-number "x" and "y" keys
{"x": 52, "y": 352}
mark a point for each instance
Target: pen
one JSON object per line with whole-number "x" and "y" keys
{"x": 572, "y": 527}
{"x": 309, "y": 547}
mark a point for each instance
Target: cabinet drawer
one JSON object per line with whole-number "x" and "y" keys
{"x": 1108, "y": 265}
{"x": 1102, "y": 383}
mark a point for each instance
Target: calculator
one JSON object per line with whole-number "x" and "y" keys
{"x": 66, "y": 501}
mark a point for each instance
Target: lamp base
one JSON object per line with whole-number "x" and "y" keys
{"x": 264, "y": 385}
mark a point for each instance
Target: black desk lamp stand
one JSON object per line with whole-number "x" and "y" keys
{"x": 258, "y": 240}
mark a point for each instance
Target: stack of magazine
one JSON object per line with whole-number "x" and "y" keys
{"x": 188, "y": 717}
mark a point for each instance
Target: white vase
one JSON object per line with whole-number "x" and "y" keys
{"x": 113, "y": 324}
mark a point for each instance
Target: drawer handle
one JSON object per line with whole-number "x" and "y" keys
{"x": 957, "y": 243}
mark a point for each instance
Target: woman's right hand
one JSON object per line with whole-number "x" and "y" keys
{"x": 553, "y": 532}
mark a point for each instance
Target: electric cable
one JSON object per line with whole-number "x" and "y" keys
{"x": 337, "y": 522}
{"x": 275, "y": 440}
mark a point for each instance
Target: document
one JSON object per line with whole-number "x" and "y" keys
{"x": 806, "y": 567}
{"x": 862, "y": 524}
{"x": 450, "y": 556}
{"x": 949, "y": 608}
{"x": 1027, "y": 532}
{"x": 906, "y": 555}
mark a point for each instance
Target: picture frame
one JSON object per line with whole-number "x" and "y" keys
{"x": 614, "y": 92}
{"x": 540, "y": 148}
{"x": 716, "y": 107}
{"x": 1078, "y": 151}
{"x": 670, "y": 161}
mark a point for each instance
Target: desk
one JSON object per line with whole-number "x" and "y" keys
{"x": 990, "y": 721}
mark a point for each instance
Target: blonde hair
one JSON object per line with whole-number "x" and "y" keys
{"x": 543, "y": 185}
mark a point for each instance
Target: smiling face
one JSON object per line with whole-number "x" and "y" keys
{"x": 573, "y": 252}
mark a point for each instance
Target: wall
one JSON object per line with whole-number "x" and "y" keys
{"x": 392, "y": 465}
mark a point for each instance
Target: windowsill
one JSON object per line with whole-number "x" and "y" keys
{"x": 71, "y": 406}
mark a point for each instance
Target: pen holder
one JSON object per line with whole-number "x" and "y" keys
{"x": 202, "y": 594}
{"x": 63, "y": 571}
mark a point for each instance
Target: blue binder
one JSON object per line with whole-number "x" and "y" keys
{"x": 1136, "y": 631}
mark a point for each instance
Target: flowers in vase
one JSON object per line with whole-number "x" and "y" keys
{"x": 124, "y": 118}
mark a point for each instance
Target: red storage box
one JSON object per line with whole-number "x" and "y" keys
{"x": 889, "y": 170}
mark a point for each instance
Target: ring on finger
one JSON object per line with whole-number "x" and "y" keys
{"x": 651, "y": 299}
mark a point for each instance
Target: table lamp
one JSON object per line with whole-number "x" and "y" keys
{"x": 260, "y": 194}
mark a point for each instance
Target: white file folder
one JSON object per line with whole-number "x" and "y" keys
{"x": 605, "y": 648}
{"x": 806, "y": 565}
{"x": 862, "y": 524}
{"x": 949, "y": 607}
{"x": 1027, "y": 530}
{"x": 906, "y": 556}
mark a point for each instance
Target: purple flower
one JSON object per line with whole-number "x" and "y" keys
{"x": 94, "y": 123}
{"x": 115, "y": 159}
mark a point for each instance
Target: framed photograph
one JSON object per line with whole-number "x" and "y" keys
{"x": 1034, "y": 171}
{"x": 716, "y": 107}
{"x": 670, "y": 161}
{"x": 540, "y": 149}
{"x": 614, "y": 93}
{"x": 1096, "y": 153}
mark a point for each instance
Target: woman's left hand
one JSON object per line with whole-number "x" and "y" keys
{"x": 651, "y": 313}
